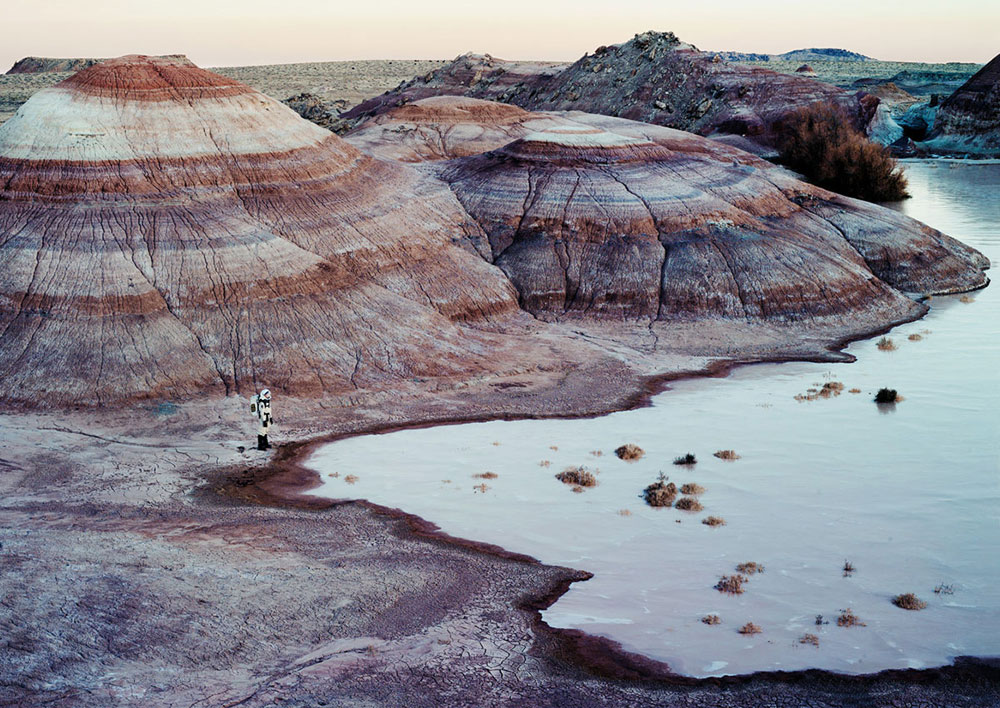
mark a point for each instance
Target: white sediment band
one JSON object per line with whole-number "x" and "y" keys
{"x": 61, "y": 123}
{"x": 583, "y": 137}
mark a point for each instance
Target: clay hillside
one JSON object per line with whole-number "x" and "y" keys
{"x": 654, "y": 78}
{"x": 166, "y": 231}
{"x": 969, "y": 120}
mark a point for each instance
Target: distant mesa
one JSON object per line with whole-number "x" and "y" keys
{"x": 822, "y": 54}
{"x": 968, "y": 121}
{"x": 42, "y": 65}
{"x": 166, "y": 231}
{"x": 654, "y": 78}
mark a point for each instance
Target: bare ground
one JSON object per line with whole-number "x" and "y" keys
{"x": 146, "y": 561}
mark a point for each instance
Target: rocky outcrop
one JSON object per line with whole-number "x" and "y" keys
{"x": 609, "y": 218}
{"x": 968, "y": 121}
{"x": 165, "y": 230}
{"x": 822, "y": 54}
{"x": 654, "y": 78}
{"x": 316, "y": 110}
{"x": 41, "y": 65}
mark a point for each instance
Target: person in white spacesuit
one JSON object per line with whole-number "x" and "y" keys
{"x": 260, "y": 405}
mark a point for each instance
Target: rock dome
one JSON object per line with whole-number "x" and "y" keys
{"x": 165, "y": 230}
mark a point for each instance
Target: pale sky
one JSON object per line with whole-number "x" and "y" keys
{"x": 239, "y": 32}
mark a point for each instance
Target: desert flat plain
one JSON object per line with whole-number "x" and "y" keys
{"x": 449, "y": 259}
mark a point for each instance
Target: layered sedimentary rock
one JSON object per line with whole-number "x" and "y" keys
{"x": 969, "y": 119}
{"x": 654, "y": 78}
{"x": 165, "y": 230}
{"x": 610, "y": 218}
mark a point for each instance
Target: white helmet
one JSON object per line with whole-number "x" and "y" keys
{"x": 265, "y": 394}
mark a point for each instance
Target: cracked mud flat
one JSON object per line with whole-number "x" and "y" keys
{"x": 146, "y": 562}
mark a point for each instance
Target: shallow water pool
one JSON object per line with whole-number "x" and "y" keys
{"x": 908, "y": 494}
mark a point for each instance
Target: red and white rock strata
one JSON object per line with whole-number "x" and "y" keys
{"x": 165, "y": 230}
{"x": 605, "y": 217}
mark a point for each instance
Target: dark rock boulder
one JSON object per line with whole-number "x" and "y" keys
{"x": 968, "y": 121}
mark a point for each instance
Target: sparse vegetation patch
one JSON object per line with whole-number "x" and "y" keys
{"x": 351, "y": 479}
{"x": 713, "y": 521}
{"x": 908, "y": 601}
{"x": 688, "y": 504}
{"x": 943, "y": 589}
{"x": 887, "y": 395}
{"x": 486, "y": 475}
{"x": 629, "y": 452}
{"x": 848, "y": 568}
{"x": 711, "y": 619}
{"x": 848, "y": 619}
{"x": 808, "y": 638}
{"x": 915, "y": 337}
{"x": 750, "y": 628}
{"x": 686, "y": 459}
{"x": 727, "y": 455}
{"x": 731, "y": 584}
{"x": 749, "y": 568}
{"x": 577, "y": 476}
{"x": 692, "y": 488}
{"x": 660, "y": 493}
{"x": 886, "y": 344}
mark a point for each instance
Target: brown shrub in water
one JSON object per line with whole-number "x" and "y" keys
{"x": 351, "y": 479}
{"x": 577, "y": 476}
{"x": 821, "y": 142}
{"x": 481, "y": 488}
{"x": 713, "y": 521}
{"x": 686, "y": 459}
{"x": 624, "y": 512}
{"x": 967, "y": 299}
{"x": 577, "y": 489}
{"x": 727, "y": 455}
{"x": 660, "y": 493}
{"x": 597, "y": 453}
{"x": 808, "y": 638}
{"x": 886, "y": 344}
{"x": 855, "y": 390}
{"x": 711, "y": 619}
{"x": 915, "y": 337}
{"x": 629, "y": 452}
{"x": 750, "y": 628}
{"x": 692, "y": 488}
{"x": 485, "y": 475}
{"x": 731, "y": 584}
{"x": 848, "y": 568}
{"x": 749, "y": 568}
{"x": 688, "y": 504}
{"x": 909, "y": 601}
{"x": 849, "y": 619}
{"x": 830, "y": 388}
{"x": 887, "y": 395}
{"x": 544, "y": 463}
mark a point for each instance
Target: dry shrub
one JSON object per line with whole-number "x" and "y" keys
{"x": 713, "y": 521}
{"x": 334, "y": 474}
{"x": 596, "y": 453}
{"x": 486, "y": 475}
{"x": 886, "y": 344}
{"x": 688, "y": 504}
{"x": 821, "y": 142}
{"x": 849, "y": 619}
{"x": 496, "y": 443}
{"x": 351, "y": 479}
{"x": 660, "y": 493}
{"x": 829, "y": 389}
{"x": 731, "y": 584}
{"x": 711, "y": 619}
{"x": 544, "y": 463}
{"x": 553, "y": 447}
{"x": 808, "y": 638}
{"x": 915, "y": 337}
{"x": 624, "y": 512}
{"x": 749, "y": 568}
{"x": 481, "y": 488}
{"x": 848, "y": 568}
{"x": 577, "y": 476}
{"x": 750, "y": 628}
{"x": 686, "y": 459}
{"x": 908, "y": 601}
{"x": 887, "y": 395}
{"x": 966, "y": 299}
{"x": 692, "y": 488}
{"x": 727, "y": 455}
{"x": 629, "y": 452}
{"x": 855, "y": 390}
{"x": 577, "y": 489}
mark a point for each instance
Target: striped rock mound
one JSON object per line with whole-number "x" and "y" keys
{"x": 165, "y": 230}
{"x": 969, "y": 119}
{"x": 611, "y": 218}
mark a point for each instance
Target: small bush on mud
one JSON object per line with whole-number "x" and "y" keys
{"x": 915, "y": 337}
{"x": 727, "y": 455}
{"x": 821, "y": 142}
{"x": 848, "y": 568}
{"x": 731, "y": 584}
{"x": 629, "y": 452}
{"x": 687, "y": 459}
{"x": 750, "y": 628}
{"x": 660, "y": 493}
{"x": 351, "y": 479}
{"x": 688, "y": 504}
{"x": 485, "y": 475}
{"x": 886, "y": 345}
{"x": 749, "y": 568}
{"x": 886, "y": 395}
{"x": 808, "y": 638}
{"x": 908, "y": 601}
{"x": 713, "y": 521}
{"x": 692, "y": 488}
{"x": 711, "y": 619}
{"x": 577, "y": 476}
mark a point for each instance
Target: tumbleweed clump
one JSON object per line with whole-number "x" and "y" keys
{"x": 808, "y": 638}
{"x": 750, "y": 628}
{"x": 886, "y": 344}
{"x": 629, "y": 452}
{"x": 749, "y": 568}
{"x": 688, "y": 504}
{"x": 908, "y": 601}
{"x": 686, "y": 459}
{"x": 713, "y": 521}
{"x": 711, "y": 619}
{"x": 577, "y": 476}
{"x": 660, "y": 493}
{"x": 692, "y": 488}
{"x": 886, "y": 395}
{"x": 727, "y": 455}
{"x": 731, "y": 584}
{"x": 849, "y": 619}
{"x": 485, "y": 475}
